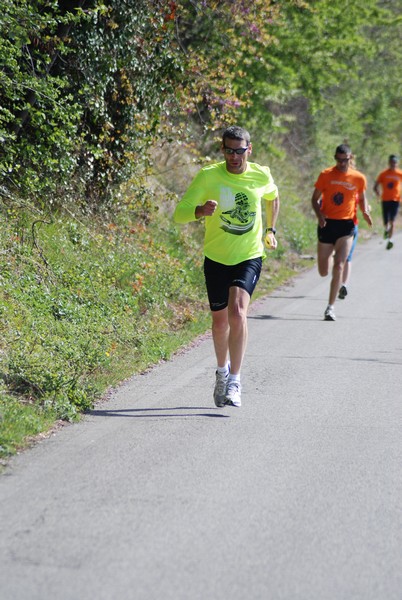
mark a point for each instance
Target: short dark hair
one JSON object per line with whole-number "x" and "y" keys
{"x": 236, "y": 133}
{"x": 393, "y": 158}
{"x": 343, "y": 149}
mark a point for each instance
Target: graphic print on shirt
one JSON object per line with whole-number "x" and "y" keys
{"x": 238, "y": 219}
{"x": 338, "y": 198}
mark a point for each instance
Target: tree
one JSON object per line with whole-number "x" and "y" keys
{"x": 88, "y": 86}
{"x": 84, "y": 83}
{"x": 38, "y": 116}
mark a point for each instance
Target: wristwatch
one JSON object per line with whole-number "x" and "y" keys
{"x": 271, "y": 229}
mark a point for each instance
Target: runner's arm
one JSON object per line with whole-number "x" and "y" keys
{"x": 271, "y": 215}
{"x": 190, "y": 206}
{"x": 315, "y": 203}
{"x": 376, "y": 189}
{"x": 364, "y": 207}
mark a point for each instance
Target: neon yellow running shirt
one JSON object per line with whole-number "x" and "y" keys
{"x": 234, "y": 232}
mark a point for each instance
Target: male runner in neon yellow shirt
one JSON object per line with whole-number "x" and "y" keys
{"x": 228, "y": 194}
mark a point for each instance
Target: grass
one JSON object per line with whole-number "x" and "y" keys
{"x": 86, "y": 303}
{"x": 21, "y": 423}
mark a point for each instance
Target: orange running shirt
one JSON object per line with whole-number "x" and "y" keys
{"x": 390, "y": 181}
{"x": 339, "y": 191}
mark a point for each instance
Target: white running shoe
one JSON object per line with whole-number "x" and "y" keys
{"x": 233, "y": 393}
{"x": 220, "y": 389}
{"x": 329, "y": 314}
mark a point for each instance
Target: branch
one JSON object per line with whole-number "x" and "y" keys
{"x": 39, "y": 249}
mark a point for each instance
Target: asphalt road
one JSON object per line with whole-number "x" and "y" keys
{"x": 297, "y": 495}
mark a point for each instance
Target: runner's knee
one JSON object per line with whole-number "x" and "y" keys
{"x": 323, "y": 269}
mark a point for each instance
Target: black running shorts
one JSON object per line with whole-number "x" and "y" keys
{"x": 335, "y": 229}
{"x": 389, "y": 210}
{"x": 219, "y": 278}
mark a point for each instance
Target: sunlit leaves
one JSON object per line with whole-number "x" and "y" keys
{"x": 77, "y": 81}
{"x": 87, "y": 87}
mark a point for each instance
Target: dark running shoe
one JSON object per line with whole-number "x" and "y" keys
{"x": 343, "y": 292}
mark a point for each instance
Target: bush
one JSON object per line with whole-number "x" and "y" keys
{"x": 75, "y": 297}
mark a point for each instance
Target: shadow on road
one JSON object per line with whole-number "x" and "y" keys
{"x": 352, "y": 358}
{"x": 289, "y": 318}
{"x": 156, "y": 413}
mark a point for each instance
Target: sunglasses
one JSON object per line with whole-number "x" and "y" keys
{"x": 342, "y": 160}
{"x": 234, "y": 150}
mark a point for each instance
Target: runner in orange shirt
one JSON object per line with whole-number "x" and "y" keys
{"x": 334, "y": 203}
{"x": 390, "y": 183}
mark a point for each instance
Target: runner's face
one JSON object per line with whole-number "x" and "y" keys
{"x": 342, "y": 162}
{"x": 236, "y": 163}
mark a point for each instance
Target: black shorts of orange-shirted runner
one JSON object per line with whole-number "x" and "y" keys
{"x": 335, "y": 229}
{"x": 389, "y": 210}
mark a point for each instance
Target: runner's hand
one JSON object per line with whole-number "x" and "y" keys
{"x": 206, "y": 210}
{"x": 368, "y": 219}
{"x": 322, "y": 221}
{"x": 270, "y": 240}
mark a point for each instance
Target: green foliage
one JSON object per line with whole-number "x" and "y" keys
{"x": 226, "y": 47}
{"x": 38, "y": 115}
{"x": 299, "y": 232}
{"x": 365, "y": 109}
{"x": 87, "y": 88}
{"x": 19, "y": 422}
{"x": 319, "y": 50}
{"x": 125, "y": 65}
{"x": 300, "y": 74}
{"x": 74, "y": 299}
{"x": 82, "y": 92}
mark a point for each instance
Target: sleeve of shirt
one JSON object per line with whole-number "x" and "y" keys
{"x": 319, "y": 184}
{"x": 193, "y": 197}
{"x": 271, "y": 190}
